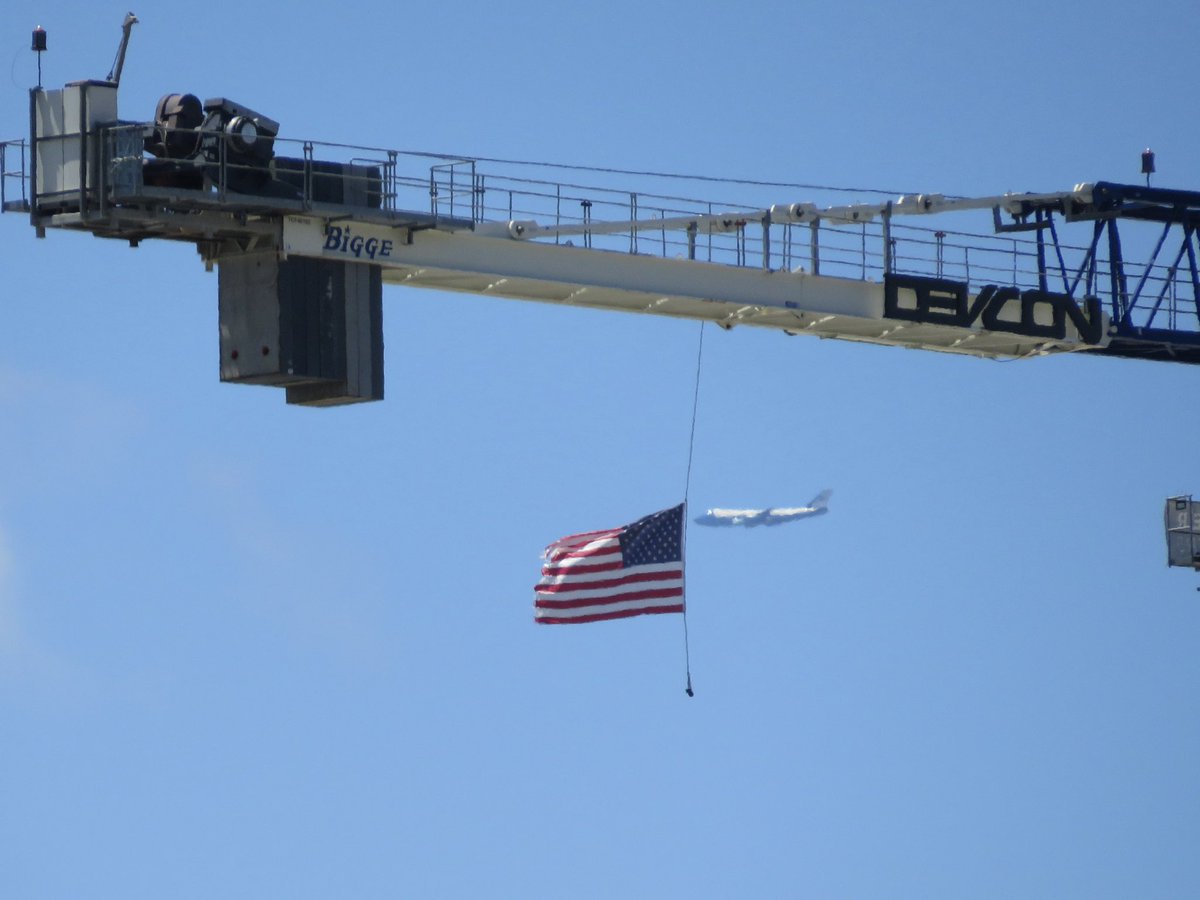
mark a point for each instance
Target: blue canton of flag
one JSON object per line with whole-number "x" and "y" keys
{"x": 633, "y": 570}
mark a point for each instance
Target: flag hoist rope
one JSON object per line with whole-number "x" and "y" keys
{"x": 687, "y": 658}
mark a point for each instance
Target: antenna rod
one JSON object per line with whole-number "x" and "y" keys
{"x": 39, "y": 47}
{"x": 126, "y": 29}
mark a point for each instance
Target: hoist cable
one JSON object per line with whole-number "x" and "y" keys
{"x": 687, "y": 656}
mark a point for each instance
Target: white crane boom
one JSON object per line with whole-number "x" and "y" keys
{"x": 304, "y": 245}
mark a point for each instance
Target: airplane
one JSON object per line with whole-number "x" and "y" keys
{"x": 774, "y": 515}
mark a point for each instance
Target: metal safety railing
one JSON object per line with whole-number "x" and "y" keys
{"x": 1142, "y": 289}
{"x": 670, "y": 223}
{"x": 15, "y": 187}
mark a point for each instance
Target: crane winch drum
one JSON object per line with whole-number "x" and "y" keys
{"x": 229, "y": 143}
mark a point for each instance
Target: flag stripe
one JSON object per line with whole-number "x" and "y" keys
{"x": 579, "y": 568}
{"x": 601, "y": 617}
{"x": 584, "y": 609}
{"x": 601, "y": 603}
{"x": 578, "y": 540}
{"x": 608, "y": 557}
{"x": 568, "y": 583}
{"x": 619, "y": 592}
{"x": 605, "y": 570}
{"x": 552, "y": 601}
{"x": 592, "y": 548}
{"x": 585, "y": 536}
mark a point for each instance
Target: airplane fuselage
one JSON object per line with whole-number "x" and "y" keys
{"x": 775, "y": 515}
{"x": 772, "y": 515}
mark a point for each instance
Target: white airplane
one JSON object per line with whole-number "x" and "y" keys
{"x": 774, "y": 515}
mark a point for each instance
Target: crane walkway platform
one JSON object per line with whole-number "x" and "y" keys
{"x": 1097, "y": 268}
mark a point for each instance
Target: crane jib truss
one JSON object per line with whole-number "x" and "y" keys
{"x": 905, "y": 271}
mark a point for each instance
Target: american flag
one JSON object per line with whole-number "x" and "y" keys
{"x": 633, "y": 570}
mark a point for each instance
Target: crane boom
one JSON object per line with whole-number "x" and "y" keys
{"x": 287, "y": 230}
{"x": 794, "y": 302}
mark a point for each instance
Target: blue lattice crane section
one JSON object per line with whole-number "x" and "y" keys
{"x": 1155, "y": 305}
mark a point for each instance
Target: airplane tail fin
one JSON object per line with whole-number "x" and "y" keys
{"x": 821, "y": 501}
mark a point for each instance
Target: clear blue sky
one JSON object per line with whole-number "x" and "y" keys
{"x": 252, "y": 650}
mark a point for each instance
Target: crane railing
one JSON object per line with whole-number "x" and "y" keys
{"x": 866, "y": 240}
{"x": 14, "y": 176}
